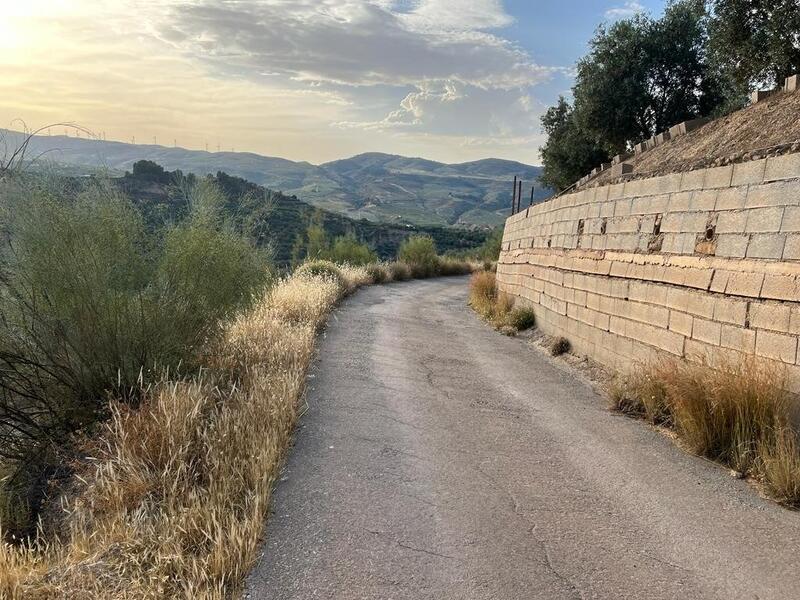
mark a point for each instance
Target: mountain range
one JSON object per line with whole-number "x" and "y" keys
{"x": 373, "y": 186}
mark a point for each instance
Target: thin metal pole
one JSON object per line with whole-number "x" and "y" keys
{"x": 514, "y": 196}
{"x": 533, "y": 187}
{"x": 519, "y": 196}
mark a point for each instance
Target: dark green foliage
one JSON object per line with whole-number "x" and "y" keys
{"x": 147, "y": 170}
{"x": 559, "y": 346}
{"x": 755, "y": 42}
{"x": 281, "y": 222}
{"x": 570, "y": 151}
{"x": 419, "y": 253}
{"x": 346, "y": 249}
{"x": 521, "y": 318}
{"x": 641, "y": 76}
{"x": 92, "y": 304}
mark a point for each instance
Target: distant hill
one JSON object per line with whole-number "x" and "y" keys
{"x": 373, "y": 186}
{"x": 280, "y": 219}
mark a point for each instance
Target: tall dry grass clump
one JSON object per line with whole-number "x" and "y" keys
{"x": 736, "y": 413}
{"x": 495, "y": 306}
{"x": 172, "y": 497}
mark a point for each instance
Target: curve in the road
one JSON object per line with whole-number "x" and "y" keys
{"x": 439, "y": 459}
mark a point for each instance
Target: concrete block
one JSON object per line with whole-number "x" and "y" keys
{"x": 764, "y": 220}
{"x": 707, "y": 331}
{"x": 694, "y": 222}
{"x": 779, "y": 193}
{"x": 738, "y": 338}
{"x": 719, "y": 281}
{"x": 639, "y": 148}
{"x": 689, "y": 126}
{"x": 776, "y": 346}
{"x": 731, "y": 198}
{"x": 732, "y": 245}
{"x": 704, "y": 200}
{"x": 719, "y": 177}
{"x": 792, "y": 83}
{"x": 760, "y": 95}
{"x": 617, "y": 170}
{"x": 791, "y": 251}
{"x": 748, "y": 172}
{"x": 662, "y": 137}
{"x": 693, "y": 180}
{"x": 731, "y": 311}
{"x": 620, "y": 158}
{"x": 782, "y": 167}
{"x": 676, "y": 130}
{"x": 732, "y": 222}
{"x": 780, "y": 287}
{"x": 770, "y": 315}
{"x": 744, "y": 284}
{"x": 766, "y": 245}
{"x": 681, "y": 322}
{"x": 679, "y": 201}
{"x": 622, "y": 208}
{"x": 791, "y": 219}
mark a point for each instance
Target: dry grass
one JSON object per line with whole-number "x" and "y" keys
{"x": 738, "y": 414}
{"x": 173, "y": 499}
{"x": 497, "y": 307}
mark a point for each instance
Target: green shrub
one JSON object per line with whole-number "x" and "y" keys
{"x": 399, "y": 271}
{"x": 419, "y": 253}
{"x": 378, "y": 273}
{"x": 322, "y": 268}
{"x": 92, "y": 304}
{"x": 346, "y": 249}
{"x": 521, "y": 318}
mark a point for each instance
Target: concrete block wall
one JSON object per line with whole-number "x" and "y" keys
{"x": 698, "y": 264}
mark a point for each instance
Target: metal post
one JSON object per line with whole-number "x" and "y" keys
{"x": 519, "y": 196}
{"x": 533, "y": 187}
{"x": 514, "y": 196}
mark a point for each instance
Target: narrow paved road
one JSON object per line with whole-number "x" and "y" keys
{"x": 439, "y": 459}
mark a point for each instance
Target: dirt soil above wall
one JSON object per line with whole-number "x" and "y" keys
{"x": 768, "y": 128}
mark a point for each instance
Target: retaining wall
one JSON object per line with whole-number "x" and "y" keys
{"x": 701, "y": 263}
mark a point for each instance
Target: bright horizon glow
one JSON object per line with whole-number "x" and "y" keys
{"x": 314, "y": 80}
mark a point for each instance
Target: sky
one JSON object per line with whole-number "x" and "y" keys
{"x": 313, "y": 80}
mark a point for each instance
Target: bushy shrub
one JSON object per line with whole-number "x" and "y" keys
{"x": 419, "y": 253}
{"x": 399, "y": 271}
{"x": 521, "y": 318}
{"x": 92, "y": 303}
{"x": 450, "y": 266}
{"x": 559, "y": 346}
{"x": 321, "y": 268}
{"x": 346, "y": 249}
{"x": 378, "y": 273}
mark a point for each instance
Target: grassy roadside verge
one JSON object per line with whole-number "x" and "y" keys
{"x": 737, "y": 414}
{"x": 170, "y": 497}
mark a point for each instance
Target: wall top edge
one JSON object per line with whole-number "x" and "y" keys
{"x": 766, "y": 170}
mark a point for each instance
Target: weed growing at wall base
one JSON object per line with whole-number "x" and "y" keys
{"x": 738, "y": 414}
{"x": 496, "y": 307}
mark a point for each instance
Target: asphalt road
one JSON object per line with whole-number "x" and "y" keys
{"x": 440, "y": 459}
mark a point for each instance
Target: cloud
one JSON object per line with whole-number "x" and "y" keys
{"x": 631, "y": 8}
{"x": 354, "y": 42}
{"x": 459, "y": 111}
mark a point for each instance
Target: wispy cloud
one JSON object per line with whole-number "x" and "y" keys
{"x": 626, "y": 11}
